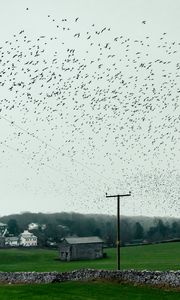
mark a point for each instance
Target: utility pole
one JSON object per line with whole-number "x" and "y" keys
{"x": 118, "y": 224}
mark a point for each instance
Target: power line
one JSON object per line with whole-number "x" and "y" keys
{"x": 27, "y": 156}
{"x": 52, "y": 147}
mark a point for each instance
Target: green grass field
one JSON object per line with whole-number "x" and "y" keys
{"x": 151, "y": 257}
{"x": 82, "y": 291}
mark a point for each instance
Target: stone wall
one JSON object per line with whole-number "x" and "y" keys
{"x": 156, "y": 278}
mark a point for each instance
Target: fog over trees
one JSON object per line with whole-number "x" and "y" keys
{"x": 53, "y": 227}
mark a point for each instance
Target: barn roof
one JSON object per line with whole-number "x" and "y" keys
{"x": 83, "y": 240}
{"x": 12, "y": 238}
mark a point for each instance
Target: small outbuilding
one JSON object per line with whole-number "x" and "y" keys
{"x": 12, "y": 241}
{"x": 79, "y": 248}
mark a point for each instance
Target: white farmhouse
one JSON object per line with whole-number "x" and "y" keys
{"x": 27, "y": 239}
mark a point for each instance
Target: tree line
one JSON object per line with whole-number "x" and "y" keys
{"x": 60, "y": 225}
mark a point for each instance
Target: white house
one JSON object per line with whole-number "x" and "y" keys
{"x": 33, "y": 226}
{"x": 27, "y": 239}
{"x": 12, "y": 241}
{"x": 36, "y": 226}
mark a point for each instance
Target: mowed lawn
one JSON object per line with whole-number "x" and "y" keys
{"x": 85, "y": 290}
{"x": 151, "y": 257}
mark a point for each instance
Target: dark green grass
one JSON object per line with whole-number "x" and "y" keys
{"x": 151, "y": 257}
{"x": 85, "y": 290}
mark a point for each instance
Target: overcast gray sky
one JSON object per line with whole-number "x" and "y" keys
{"x": 92, "y": 90}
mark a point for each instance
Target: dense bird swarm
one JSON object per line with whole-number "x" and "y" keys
{"x": 89, "y": 112}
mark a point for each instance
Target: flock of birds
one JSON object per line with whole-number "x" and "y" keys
{"x": 99, "y": 111}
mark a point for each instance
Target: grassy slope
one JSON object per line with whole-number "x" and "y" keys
{"x": 151, "y": 257}
{"x": 81, "y": 291}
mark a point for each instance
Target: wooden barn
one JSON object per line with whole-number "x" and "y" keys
{"x": 79, "y": 248}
